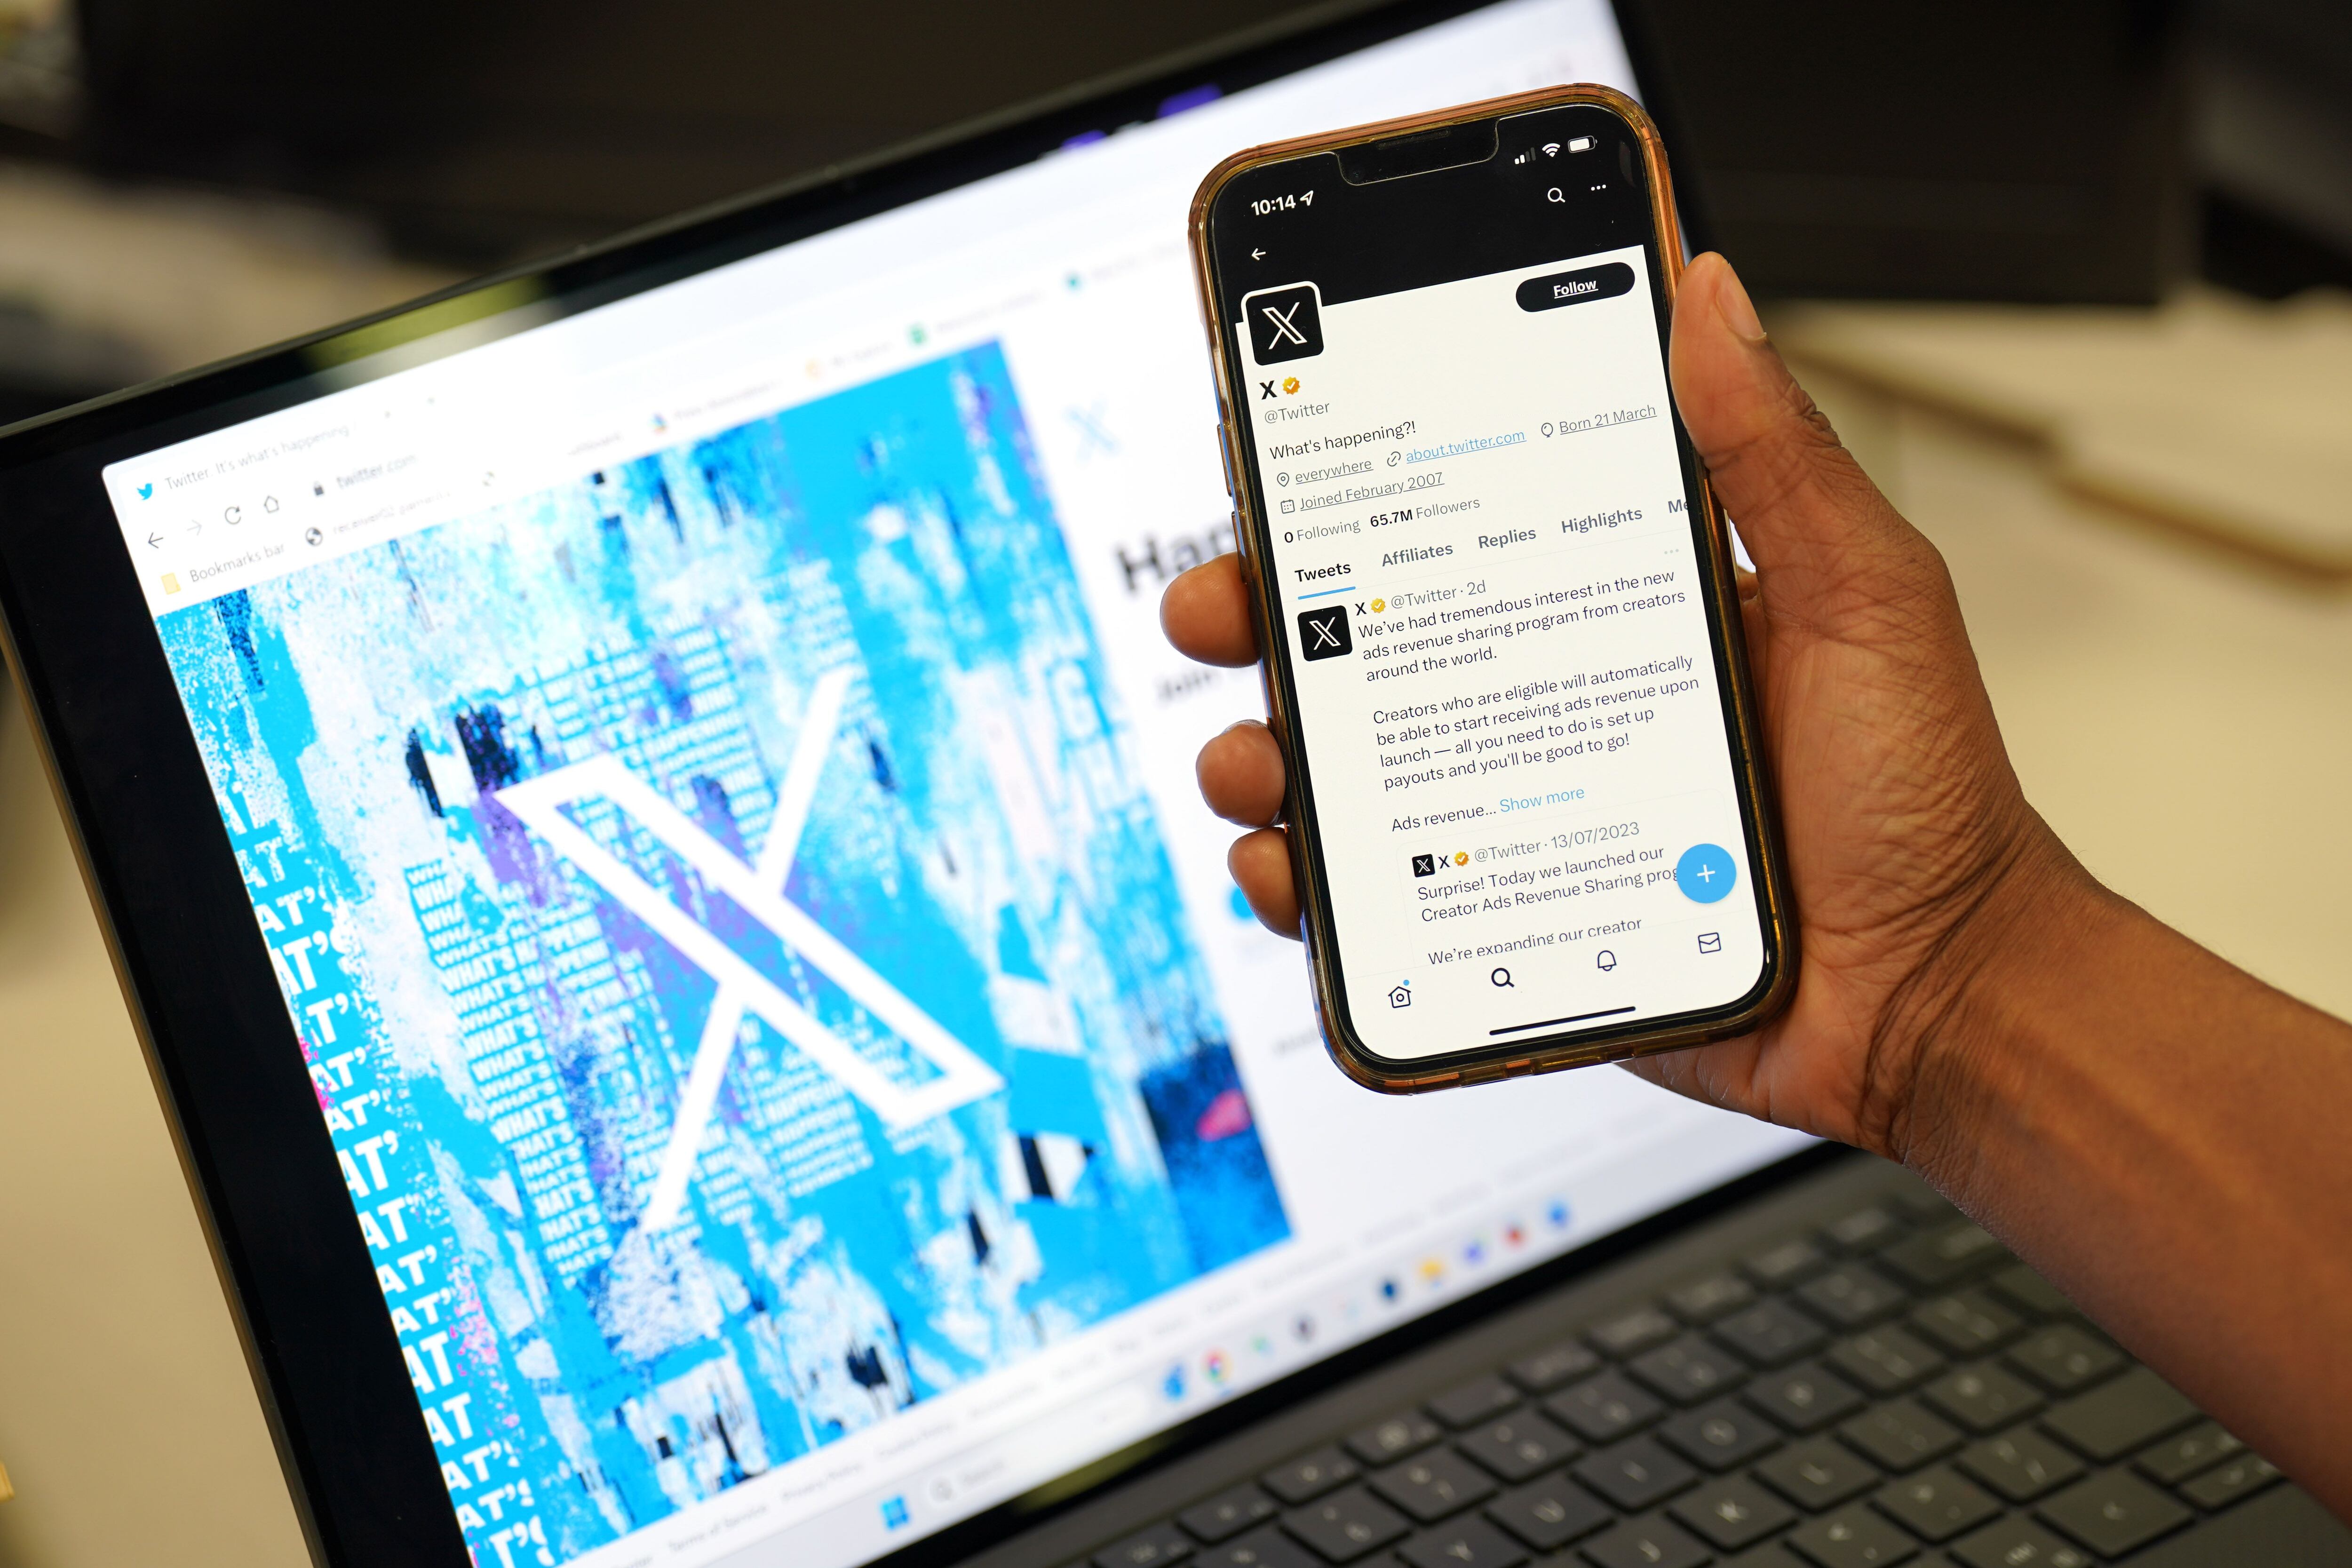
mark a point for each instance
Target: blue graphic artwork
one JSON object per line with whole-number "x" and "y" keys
{"x": 737, "y": 964}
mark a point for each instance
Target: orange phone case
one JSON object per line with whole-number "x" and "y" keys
{"x": 1479, "y": 1066}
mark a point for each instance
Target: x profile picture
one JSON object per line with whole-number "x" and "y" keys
{"x": 1323, "y": 634}
{"x": 1284, "y": 323}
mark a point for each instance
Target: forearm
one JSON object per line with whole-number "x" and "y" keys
{"x": 2162, "y": 1136}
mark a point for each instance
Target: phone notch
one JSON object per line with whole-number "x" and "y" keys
{"x": 1418, "y": 152}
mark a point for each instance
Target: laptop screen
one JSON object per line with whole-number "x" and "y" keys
{"x": 709, "y": 777}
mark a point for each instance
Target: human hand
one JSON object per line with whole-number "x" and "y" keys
{"x": 1910, "y": 846}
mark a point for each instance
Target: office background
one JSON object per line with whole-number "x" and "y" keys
{"x": 2071, "y": 279}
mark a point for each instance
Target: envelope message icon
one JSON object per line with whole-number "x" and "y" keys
{"x": 1710, "y": 941}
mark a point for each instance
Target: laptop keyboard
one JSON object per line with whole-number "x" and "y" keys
{"x": 1894, "y": 1387}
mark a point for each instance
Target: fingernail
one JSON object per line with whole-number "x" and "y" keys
{"x": 1737, "y": 311}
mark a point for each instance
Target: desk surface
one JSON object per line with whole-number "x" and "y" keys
{"x": 2178, "y": 714}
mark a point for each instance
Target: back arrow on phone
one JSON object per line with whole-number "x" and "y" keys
{"x": 156, "y": 540}
{"x": 1257, "y": 255}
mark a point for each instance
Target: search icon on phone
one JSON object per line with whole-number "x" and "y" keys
{"x": 1502, "y": 977}
{"x": 1553, "y": 195}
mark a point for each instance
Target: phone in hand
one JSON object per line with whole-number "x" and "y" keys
{"x": 1528, "y": 811}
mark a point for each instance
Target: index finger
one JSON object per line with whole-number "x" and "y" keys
{"x": 1206, "y": 614}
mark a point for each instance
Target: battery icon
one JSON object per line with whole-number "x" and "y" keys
{"x": 1579, "y": 143}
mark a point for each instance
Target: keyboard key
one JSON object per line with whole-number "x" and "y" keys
{"x": 1393, "y": 1438}
{"x": 2114, "y": 1513}
{"x": 1309, "y": 1476}
{"x": 1719, "y": 1435}
{"x": 2116, "y": 1417}
{"x": 1688, "y": 1370}
{"x": 1900, "y": 1435}
{"x": 2020, "y": 1465}
{"x": 1633, "y": 1333}
{"x": 1885, "y": 1361}
{"x": 1703, "y": 1301}
{"x": 1733, "y": 1513}
{"x": 2029, "y": 1293}
{"x": 1783, "y": 1264}
{"x": 1770, "y": 1334}
{"x": 1982, "y": 1397}
{"x": 2018, "y": 1543}
{"x": 1603, "y": 1408}
{"x": 1773, "y": 1556}
{"x": 1634, "y": 1475}
{"x": 1646, "y": 1543}
{"x": 1852, "y": 1538}
{"x": 1518, "y": 1445}
{"x": 1818, "y": 1474}
{"x": 1466, "y": 1543}
{"x": 2200, "y": 1447}
{"x": 1923, "y": 1205}
{"x": 1852, "y": 1296}
{"x": 1266, "y": 1548}
{"x": 1935, "y": 1258}
{"x": 2238, "y": 1479}
{"x": 1433, "y": 1485}
{"x": 1346, "y": 1525}
{"x": 1546, "y": 1370}
{"x": 1548, "y": 1513}
{"x": 1227, "y": 1513}
{"x": 1804, "y": 1397}
{"x": 2064, "y": 1359}
{"x": 1161, "y": 1544}
{"x": 1935, "y": 1504}
{"x": 1969, "y": 1323}
{"x": 1865, "y": 1230}
{"x": 1473, "y": 1402}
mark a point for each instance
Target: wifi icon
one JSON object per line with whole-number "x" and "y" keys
{"x": 1551, "y": 150}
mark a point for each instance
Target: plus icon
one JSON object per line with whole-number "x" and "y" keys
{"x": 1706, "y": 873}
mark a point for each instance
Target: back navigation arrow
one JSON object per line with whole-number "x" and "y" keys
{"x": 156, "y": 540}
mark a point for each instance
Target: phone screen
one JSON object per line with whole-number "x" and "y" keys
{"x": 1517, "y": 771}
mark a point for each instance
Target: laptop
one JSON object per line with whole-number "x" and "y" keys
{"x": 650, "y": 826}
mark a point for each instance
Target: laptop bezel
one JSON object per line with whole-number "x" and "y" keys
{"x": 365, "y": 1480}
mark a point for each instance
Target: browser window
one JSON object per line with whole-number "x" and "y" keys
{"x": 721, "y": 809}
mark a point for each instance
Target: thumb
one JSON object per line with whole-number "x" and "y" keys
{"x": 1809, "y": 515}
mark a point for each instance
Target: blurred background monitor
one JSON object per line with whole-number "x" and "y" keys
{"x": 2048, "y": 150}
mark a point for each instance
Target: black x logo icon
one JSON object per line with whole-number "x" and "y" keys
{"x": 1323, "y": 634}
{"x": 1284, "y": 325}
{"x": 1265, "y": 390}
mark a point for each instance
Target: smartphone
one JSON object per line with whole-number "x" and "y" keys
{"x": 1528, "y": 810}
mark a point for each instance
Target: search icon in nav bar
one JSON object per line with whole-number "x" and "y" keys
{"x": 1502, "y": 977}
{"x": 1553, "y": 195}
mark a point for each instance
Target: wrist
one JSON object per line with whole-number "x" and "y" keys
{"x": 1959, "y": 1033}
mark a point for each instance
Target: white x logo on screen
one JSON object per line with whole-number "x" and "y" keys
{"x": 758, "y": 891}
{"x": 1285, "y": 325}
